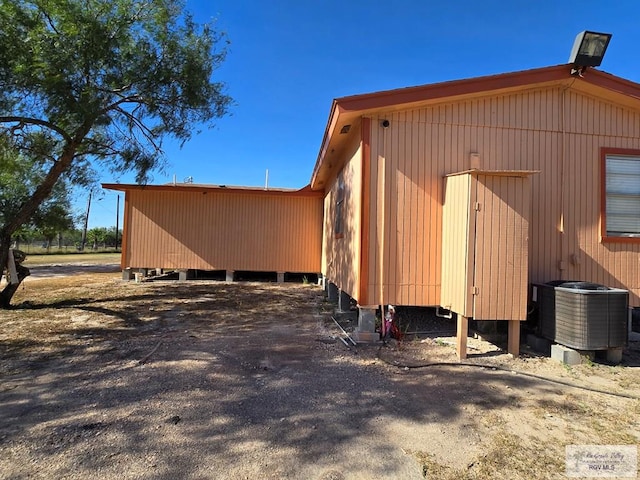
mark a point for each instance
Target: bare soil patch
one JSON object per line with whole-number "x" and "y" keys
{"x": 101, "y": 378}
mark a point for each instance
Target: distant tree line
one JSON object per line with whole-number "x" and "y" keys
{"x": 98, "y": 238}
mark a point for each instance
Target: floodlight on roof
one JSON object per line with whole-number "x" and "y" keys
{"x": 588, "y": 50}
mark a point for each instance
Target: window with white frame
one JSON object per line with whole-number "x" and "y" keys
{"x": 622, "y": 195}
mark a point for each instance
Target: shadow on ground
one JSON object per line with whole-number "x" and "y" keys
{"x": 220, "y": 380}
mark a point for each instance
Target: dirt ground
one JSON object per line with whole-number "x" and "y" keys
{"x": 101, "y": 378}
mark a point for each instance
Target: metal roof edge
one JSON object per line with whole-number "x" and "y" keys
{"x": 306, "y": 191}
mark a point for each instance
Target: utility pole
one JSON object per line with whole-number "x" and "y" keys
{"x": 86, "y": 224}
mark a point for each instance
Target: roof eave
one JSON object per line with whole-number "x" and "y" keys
{"x": 306, "y": 191}
{"x": 334, "y": 114}
{"x": 403, "y": 98}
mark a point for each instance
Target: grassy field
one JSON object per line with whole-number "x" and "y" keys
{"x": 57, "y": 259}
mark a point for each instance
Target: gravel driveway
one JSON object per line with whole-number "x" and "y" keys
{"x": 269, "y": 394}
{"x": 239, "y": 381}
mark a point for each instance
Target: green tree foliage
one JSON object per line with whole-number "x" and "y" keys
{"x": 97, "y": 236}
{"x": 19, "y": 177}
{"x": 101, "y": 82}
{"x": 54, "y": 220}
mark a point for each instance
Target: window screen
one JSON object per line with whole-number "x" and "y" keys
{"x": 623, "y": 196}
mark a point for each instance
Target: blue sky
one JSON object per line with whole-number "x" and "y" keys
{"x": 288, "y": 59}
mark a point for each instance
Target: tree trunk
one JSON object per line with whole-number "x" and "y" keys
{"x": 5, "y": 245}
{"x": 28, "y": 209}
{"x": 9, "y": 291}
{"x": 23, "y": 272}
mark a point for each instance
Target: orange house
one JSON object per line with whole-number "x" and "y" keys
{"x": 461, "y": 194}
{"x": 458, "y": 194}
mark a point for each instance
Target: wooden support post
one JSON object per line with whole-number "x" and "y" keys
{"x": 462, "y": 332}
{"x": 513, "y": 344}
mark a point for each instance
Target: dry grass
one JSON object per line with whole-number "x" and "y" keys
{"x": 526, "y": 440}
{"x": 505, "y": 458}
{"x": 60, "y": 259}
{"x": 513, "y": 456}
{"x": 523, "y": 439}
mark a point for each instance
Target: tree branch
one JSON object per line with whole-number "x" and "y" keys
{"x": 39, "y": 122}
{"x": 98, "y": 148}
{"x": 115, "y": 105}
{"x": 146, "y": 131}
{"x": 115, "y": 91}
{"x": 36, "y": 153}
{"x": 49, "y": 21}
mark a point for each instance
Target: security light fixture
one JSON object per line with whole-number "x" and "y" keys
{"x": 588, "y": 50}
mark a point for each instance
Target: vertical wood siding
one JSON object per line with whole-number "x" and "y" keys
{"x": 341, "y": 256}
{"x": 558, "y": 132}
{"x": 223, "y": 231}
